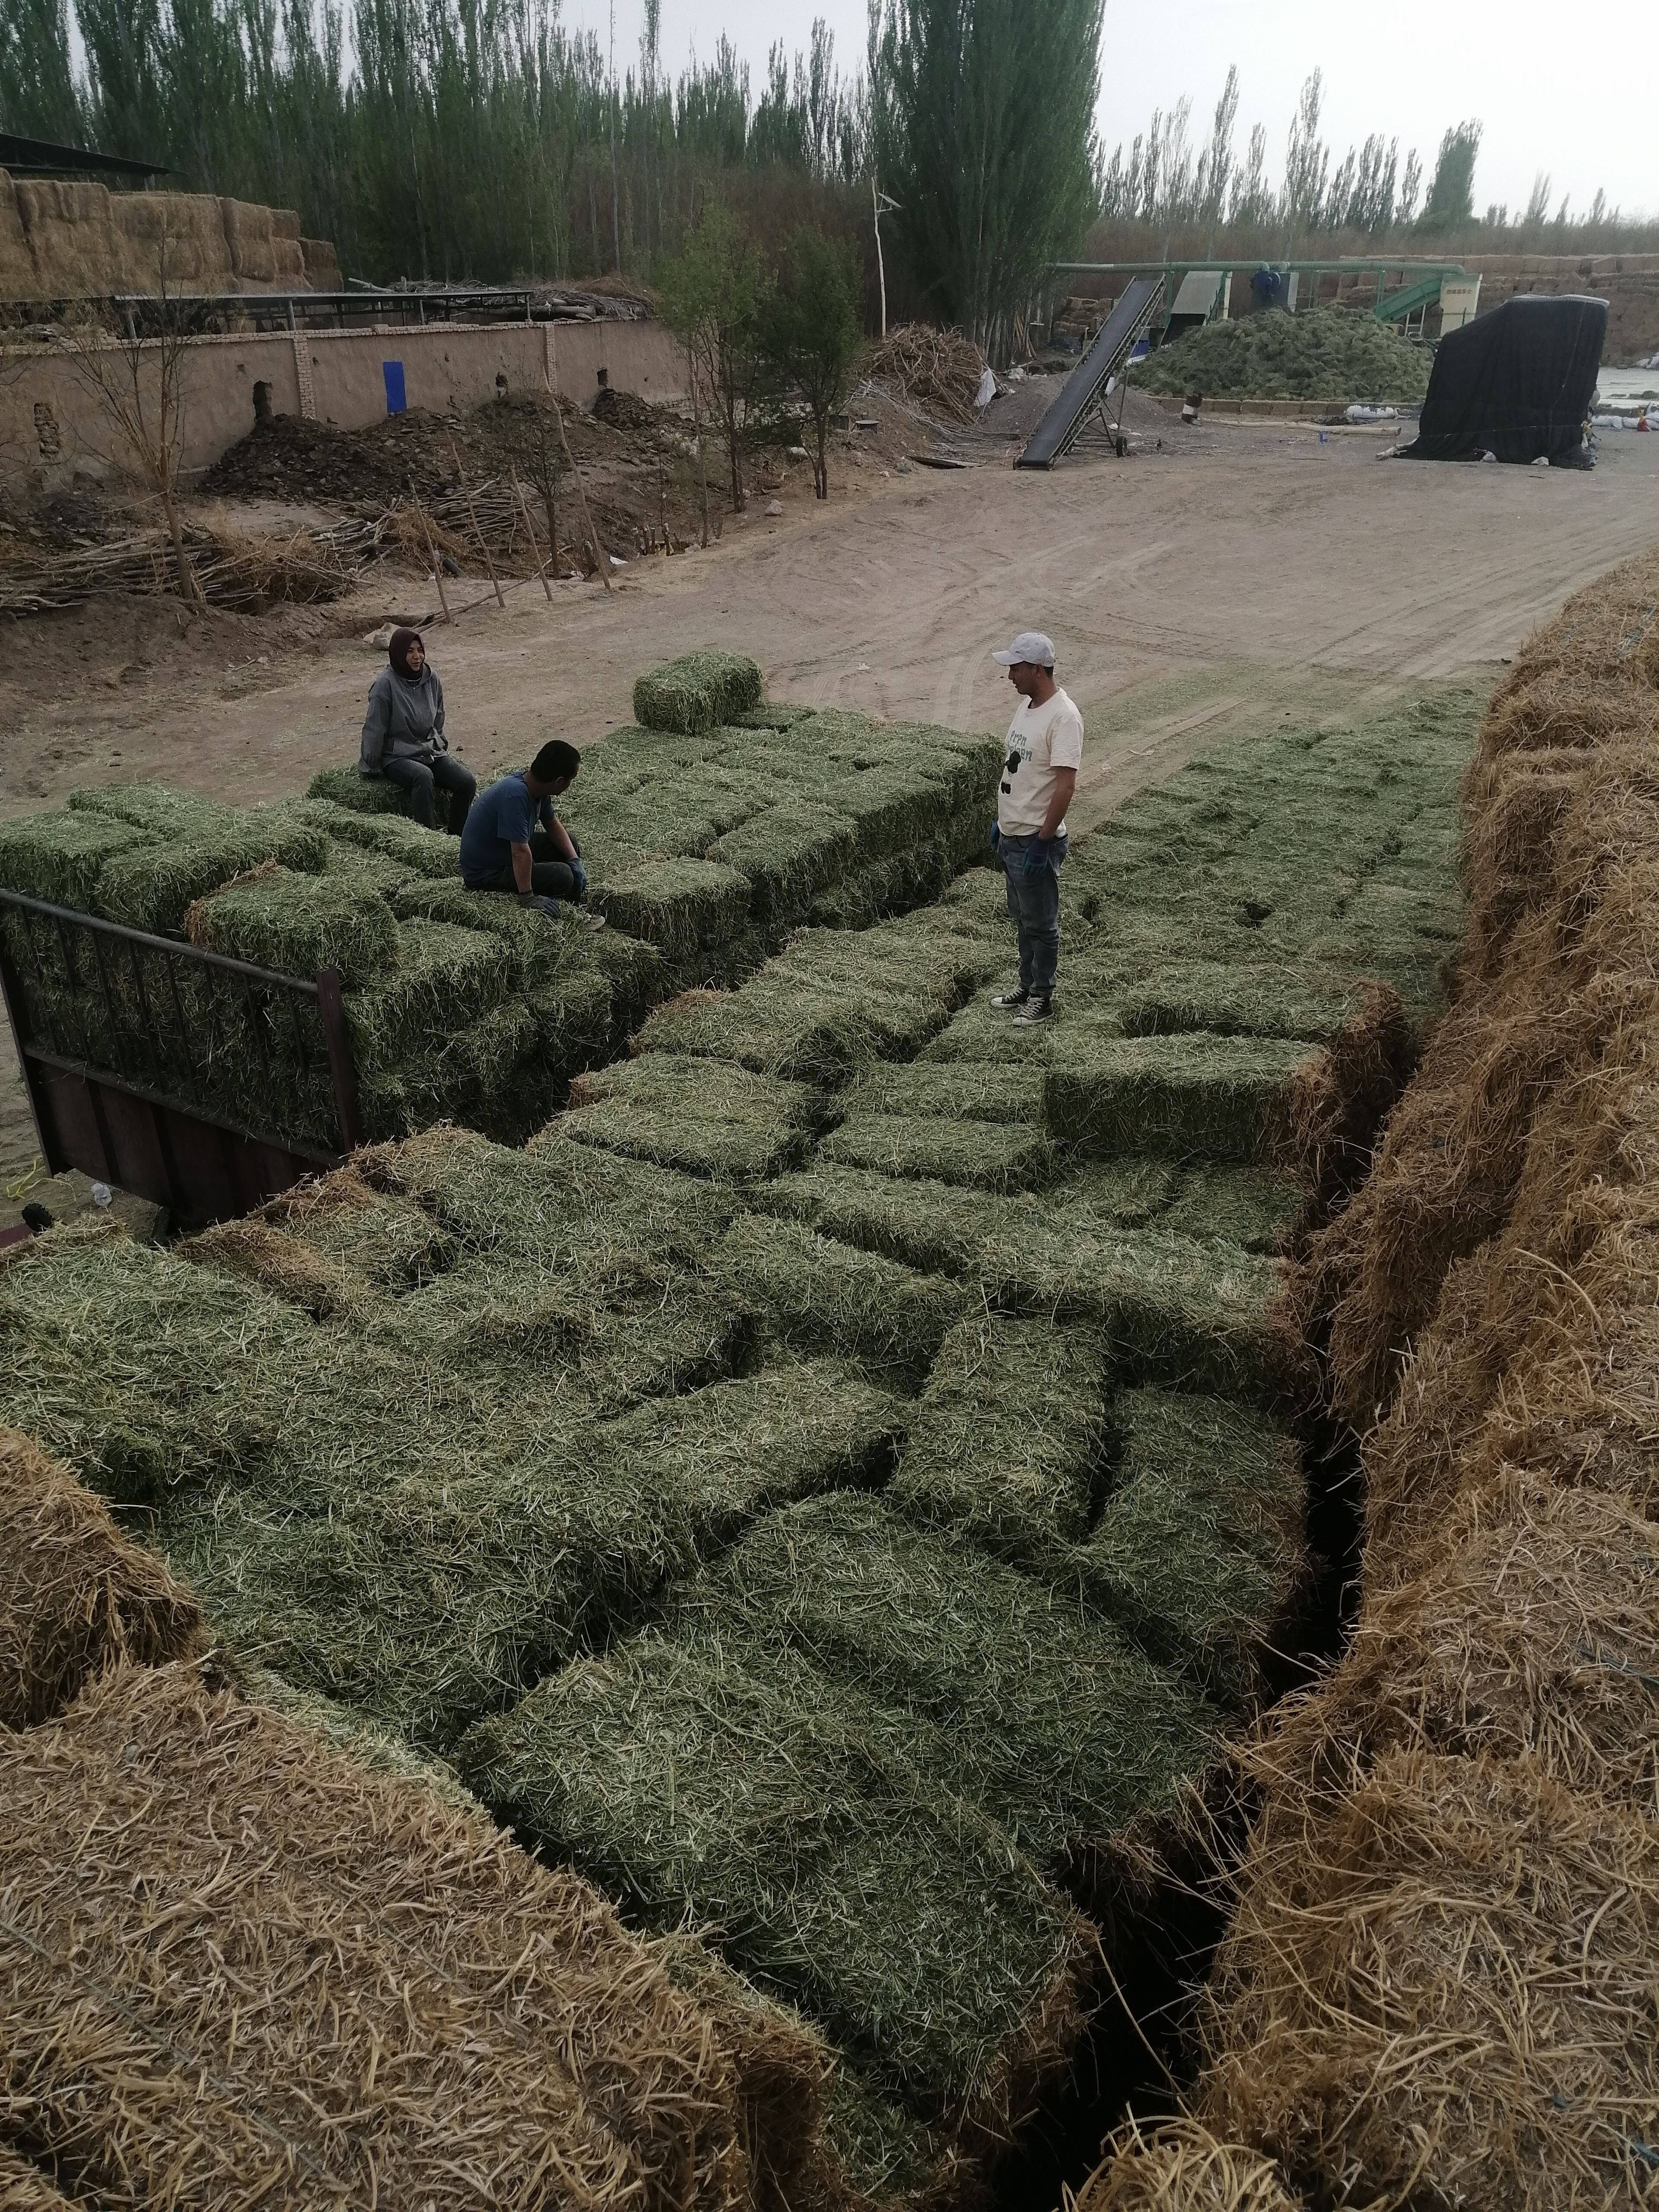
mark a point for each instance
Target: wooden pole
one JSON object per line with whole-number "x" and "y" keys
{"x": 426, "y": 532}
{"x": 549, "y": 496}
{"x": 535, "y": 549}
{"x": 473, "y": 514}
{"x": 599, "y": 553}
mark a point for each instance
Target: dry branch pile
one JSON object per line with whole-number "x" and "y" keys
{"x": 1438, "y": 1986}
{"x": 233, "y": 568}
{"x": 937, "y": 369}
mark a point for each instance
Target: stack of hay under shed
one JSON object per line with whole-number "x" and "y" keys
{"x": 594, "y": 1467}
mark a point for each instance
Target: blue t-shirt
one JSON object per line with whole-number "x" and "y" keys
{"x": 501, "y": 817}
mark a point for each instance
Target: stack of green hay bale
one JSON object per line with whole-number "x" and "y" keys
{"x": 839, "y": 1484}
{"x": 717, "y": 821}
{"x": 706, "y": 841}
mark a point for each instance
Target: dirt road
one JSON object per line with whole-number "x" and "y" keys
{"x": 1193, "y": 596}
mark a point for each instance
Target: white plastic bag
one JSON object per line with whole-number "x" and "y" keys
{"x": 988, "y": 390}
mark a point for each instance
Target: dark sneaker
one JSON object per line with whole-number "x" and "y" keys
{"x": 1006, "y": 1001}
{"x": 1036, "y": 1009}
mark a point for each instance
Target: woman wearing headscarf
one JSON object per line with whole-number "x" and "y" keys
{"x": 404, "y": 736}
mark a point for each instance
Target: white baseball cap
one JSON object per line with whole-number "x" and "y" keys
{"x": 1031, "y": 645}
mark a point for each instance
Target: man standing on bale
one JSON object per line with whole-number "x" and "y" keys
{"x": 515, "y": 841}
{"x": 1045, "y": 751}
{"x": 404, "y": 736}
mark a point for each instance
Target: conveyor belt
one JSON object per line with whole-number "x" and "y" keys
{"x": 1056, "y": 433}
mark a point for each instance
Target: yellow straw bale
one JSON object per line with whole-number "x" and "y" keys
{"x": 249, "y": 1972}
{"x": 75, "y": 1595}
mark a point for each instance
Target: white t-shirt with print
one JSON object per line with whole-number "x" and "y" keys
{"x": 1040, "y": 740}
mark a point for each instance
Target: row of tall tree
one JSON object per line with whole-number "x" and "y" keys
{"x": 480, "y": 140}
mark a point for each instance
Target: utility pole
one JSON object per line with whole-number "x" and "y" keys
{"x": 879, "y": 200}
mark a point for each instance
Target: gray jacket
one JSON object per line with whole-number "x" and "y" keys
{"x": 404, "y": 722}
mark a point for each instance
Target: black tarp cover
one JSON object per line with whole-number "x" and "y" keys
{"x": 1516, "y": 382}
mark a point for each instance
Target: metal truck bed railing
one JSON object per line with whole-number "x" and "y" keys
{"x": 1084, "y": 389}
{"x": 204, "y": 1083}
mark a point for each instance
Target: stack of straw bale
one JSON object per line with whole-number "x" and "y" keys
{"x": 324, "y": 1979}
{"x": 1437, "y": 1985}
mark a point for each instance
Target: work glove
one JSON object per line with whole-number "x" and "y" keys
{"x": 580, "y": 874}
{"x": 537, "y": 902}
{"x": 996, "y": 835}
{"x": 1039, "y": 854}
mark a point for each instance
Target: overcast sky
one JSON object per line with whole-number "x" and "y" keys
{"x": 1570, "y": 95}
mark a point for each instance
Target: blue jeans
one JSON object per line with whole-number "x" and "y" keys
{"x": 1034, "y": 902}
{"x": 550, "y": 874}
{"x": 417, "y": 778}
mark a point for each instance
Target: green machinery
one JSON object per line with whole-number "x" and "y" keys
{"x": 1403, "y": 289}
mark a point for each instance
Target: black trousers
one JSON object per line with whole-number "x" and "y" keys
{"x": 417, "y": 779}
{"x": 550, "y": 874}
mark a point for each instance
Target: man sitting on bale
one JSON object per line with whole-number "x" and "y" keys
{"x": 515, "y": 841}
{"x": 1045, "y": 751}
{"x": 404, "y": 736}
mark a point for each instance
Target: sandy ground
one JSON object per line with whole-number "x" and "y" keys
{"x": 1247, "y": 576}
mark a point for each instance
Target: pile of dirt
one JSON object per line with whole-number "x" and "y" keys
{"x": 1329, "y": 353}
{"x": 633, "y": 461}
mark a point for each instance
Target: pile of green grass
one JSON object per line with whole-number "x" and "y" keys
{"x": 900, "y": 1920}
{"x": 1324, "y": 353}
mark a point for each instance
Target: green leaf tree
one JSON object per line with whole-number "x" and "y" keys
{"x": 1451, "y": 189}
{"x": 983, "y": 126}
{"x": 812, "y": 335}
{"x": 713, "y": 295}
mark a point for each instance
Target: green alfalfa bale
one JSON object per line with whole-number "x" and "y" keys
{"x": 296, "y": 924}
{"x": 1229, "y": 1099}
{"x": 788, "y": 854}
{"x": 369, "y": 795}
{"x": 576, "y": 1020}
{"x": 771, "y": 714}
{"x": 437, "y": 1595}
{"x": 887, "y": 887}
{"x": 697, "y": 692}
{"x": 418, "y": 850}
{"x": 59, "y": 856}
{"x": 966, "y": 1090}
{"x": 778, "y": 1024}
{"x": 707, "y": 1117}
{"x": 1237, "y": 999}
{"x": 1172, "y": 1310}
{"x": 979, "y": 1155}
{"x": 825, "y": 1297}
{"x": 892, "y": 808}
{"x": 940, "y": 1228}
{"x": 444, "y": 979}
{"x": 423, "y": 1602}
{"x": 890, "y": 2157}
{"x": 1047, "y": 1719}
{"x": 613, "y": 1328}
{"x": 1258, "y": 1211}
{"x": 905, "y": 1923}
{"x": 1200, "y": 1550}
{"x": 1009, "y": 1441}
{"x": 680, "y": 906}
{"x": 143, "y": 1372}
{"x": 152, "y": 889}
